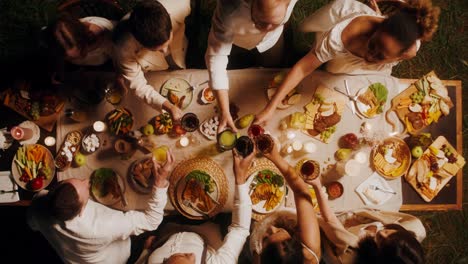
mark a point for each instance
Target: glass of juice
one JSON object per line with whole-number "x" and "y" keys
{"x": 244, "y": 146}
{"x": 190, "y": 122}
{"x": 160, "y": 153}
{"x": 309, "y": 169}
{"x": 227, "y": 140}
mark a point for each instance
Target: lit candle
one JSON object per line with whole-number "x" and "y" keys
{"x": 99, "y": 126}
{"x": 310, "y": 147}
{"x": 49, "y": 141}
{"x": 290, "y": 135}
{"x": 296, "y": 145}
{"x": 21, "y": 133}
{"x": 361, "y": 157}
{"x": 184, "y": 141}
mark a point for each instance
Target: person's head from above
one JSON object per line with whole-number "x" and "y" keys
{"x": 71, "y": 38}
{"x": 150, "y": 24}
{"x": 279, "y": 246}
{"x": 267, "y": 15}
{"x": 392, "y": 244}
{"x": 67, "y": 200}
{"x": 181, "y": 258}
{"x": 397, "y": 34}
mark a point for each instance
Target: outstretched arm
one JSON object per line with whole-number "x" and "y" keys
{"x": 301, "y": 69}
{"x": 309, "y": 231}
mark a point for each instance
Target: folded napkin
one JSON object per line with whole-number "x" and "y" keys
{"x": 374, "y": 197}
{"x": 7, "y": 184}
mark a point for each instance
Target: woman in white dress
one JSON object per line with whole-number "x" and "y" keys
{"x": 354, "y": 39}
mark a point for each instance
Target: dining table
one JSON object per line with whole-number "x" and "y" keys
{"x": 248, "y": 91}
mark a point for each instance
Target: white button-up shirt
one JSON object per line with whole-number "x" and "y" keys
{"x": 232, "y": 24}
{"x": 99, "y": 234}
{"x": 189, "y": 242}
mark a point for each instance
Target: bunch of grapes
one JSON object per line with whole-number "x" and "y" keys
{"x": 35, "y": 111}
{"x": 417, "y": 97}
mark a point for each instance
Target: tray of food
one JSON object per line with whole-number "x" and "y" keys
{"x": 163, "y": 123}
{"x": 66, "y": 153}
{"x": 43, "y": 108}
{"x": 33, "y": 167}
{"x": 141, "y": 176}
{"x": 371, "y": 100}
{"x": 392, "y": 158}
{"x": 120, "y": 121}
{"x": 107, "y": 187}
{"x": 178, "y": 91}
{"x": 323, "y": 113}
{"x": 209, "y": 128}
{"x": 422, "y": 103}
{"x": 198, "y": 188}
{"x": 434, "y": 169}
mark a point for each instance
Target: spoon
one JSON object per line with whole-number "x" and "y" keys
{"x": 12, "y": 191}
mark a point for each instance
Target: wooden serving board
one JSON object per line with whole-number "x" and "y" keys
{"x": 45, "y": 122}
{"x": 402, "y": 112}
{"x": 438, "y": 143}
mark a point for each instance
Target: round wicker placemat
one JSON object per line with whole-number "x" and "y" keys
{"x": 204, "y": 164}
{"x": 264, "y": 164}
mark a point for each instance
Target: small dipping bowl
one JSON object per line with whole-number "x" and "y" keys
{"x": 121, "y": 146}
{"x": 335, "y": 190}
{"x": 309, "y": 169}
{"x": 90, "y": 143}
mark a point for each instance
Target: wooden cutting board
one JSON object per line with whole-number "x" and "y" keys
{"x": 402, "y": 111}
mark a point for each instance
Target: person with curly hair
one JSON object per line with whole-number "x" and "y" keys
{"x": 352, "y": 38}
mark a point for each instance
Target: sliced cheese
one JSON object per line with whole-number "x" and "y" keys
{"x": 451, "y": 168}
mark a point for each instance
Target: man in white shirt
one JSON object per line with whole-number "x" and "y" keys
{"x": 83, "y": 231}
{"x": 248, "y": 24}
{"x": 143, "y": 39}
{"x": 189, "y": 247}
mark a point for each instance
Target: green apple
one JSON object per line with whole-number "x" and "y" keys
{"x": 148, "y": 130}
{"x": 245, "y": 121}
{"x": 417, "y": 152}
{"x": 80, "y": 159}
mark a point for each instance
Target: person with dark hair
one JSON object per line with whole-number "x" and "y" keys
{"x": 191, "y": 247}
{"x": 288, "y": 236}
{"x": 369, "y": 235}
{"x": 244, "y": 30}
{"x": 352, "y": 38}
{"x": 150, "y": 38}
{"x": 85, "y": 41}
{"x": 83, "y": 231}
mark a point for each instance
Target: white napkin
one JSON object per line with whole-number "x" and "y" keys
{"x": 374, "y": 197}
{"x": 6, "y": 184}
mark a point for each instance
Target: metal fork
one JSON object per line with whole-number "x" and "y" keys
{"x": 351, "y": 97}
{"x": 11, "y": 191}
{"x": 377, "y": 188}
{"x": 188, "y": 203}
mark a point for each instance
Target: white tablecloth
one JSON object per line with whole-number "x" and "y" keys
{"x": 248, "y": 91}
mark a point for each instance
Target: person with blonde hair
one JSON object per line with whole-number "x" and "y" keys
{"x": 351, "y": 38}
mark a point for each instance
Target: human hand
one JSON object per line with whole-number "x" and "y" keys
{"x": 241, "y": 166}
{"x": 225, "y": 120}
{"x": 175, "y": 112}
{"x": 264, "y": 116}
{"x": 316, "y": 183}
{"x": 161, "y": 172}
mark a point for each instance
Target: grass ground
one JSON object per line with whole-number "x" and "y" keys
{"x": 447, "y": 240}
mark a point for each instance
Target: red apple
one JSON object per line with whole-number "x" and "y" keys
{"x": 36, "y": 183}
{"x": 349, "y": 140}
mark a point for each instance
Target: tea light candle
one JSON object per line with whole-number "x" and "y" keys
{"x": 49, "y": 141}
{"x": 99, "y": 126}
{"x": 361, "y": 157}
{"x": 296, "y": 145}
{"x": 365, "y": 127}
{"x": 290, "y": 135}
{"x": 310, "y": 147}
{"x": 184, "y": 141}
